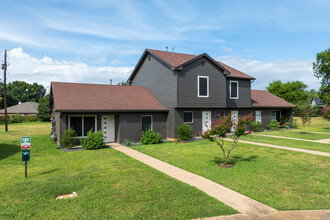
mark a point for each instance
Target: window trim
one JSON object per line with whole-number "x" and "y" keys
{"x": 276, "y": 113}
{"x": 237, "y": 89}
{"x": 260, "y": 116}
{"x": 192, "y": 117}
{"x": 208, "y": 87}
{"x": 82, "y": 123}
{"x": 151, "y": 122}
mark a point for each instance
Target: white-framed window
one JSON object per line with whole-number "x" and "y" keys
{"x": 258, "y": 116}
{"x": 188, "y": 117}
{"x": 82, "y": 124}
{"x": 234, "y": 89}
{"x": 146, "y": 121}
{"x": 274, "y": 115}
{"x": 203, "y": 86}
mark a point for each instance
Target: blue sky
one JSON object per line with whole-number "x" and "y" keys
{"x": 97, "y": 40}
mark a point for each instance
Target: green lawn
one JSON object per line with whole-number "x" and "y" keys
{"x": 110, "y": 184}
{"x": 288, "y": 143}
{"x": 290, "y": 133}
{"x": 318, "y": 124}
{"x": 282, "y": 179}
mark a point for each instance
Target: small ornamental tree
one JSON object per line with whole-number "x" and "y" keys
{"x": 221, "y": 127}
{"x": 306, "y": 115}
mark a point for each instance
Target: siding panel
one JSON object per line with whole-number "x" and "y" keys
{"x": 244, "y": 94}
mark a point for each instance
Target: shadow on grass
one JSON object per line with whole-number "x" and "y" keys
{"x": 6, "y": 150}
{"x": 235, "y": 159}
{"x": 49, "y": 171}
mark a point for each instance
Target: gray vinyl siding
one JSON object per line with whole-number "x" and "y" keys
{"x": 159, "y": 79}
{"x": 132, "y": 128}
{"x": 187, "y": 85}
{"x": 244, "y": 94}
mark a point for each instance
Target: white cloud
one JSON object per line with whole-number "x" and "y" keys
{"x": 101, "y": 60}
{"x": 116, "y": 62}
{"x": 228, "y": 49}
{"x": 27, "y": 68}
{"x": 266, "y": 72}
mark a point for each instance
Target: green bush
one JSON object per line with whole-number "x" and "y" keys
{"x": 30, "y": 119}
{"x": 127, "y": 142}
{"x": 69, "y": 139}
{"x": 185, "y": 132}
{"x": 283, "y": 120}
{"x": 16, "y": 118}
{"x": 93, "y": 140}
{"x": 256, "y": 126}
{"x": 273, "y": 125}
{"x": 150, "y": 137}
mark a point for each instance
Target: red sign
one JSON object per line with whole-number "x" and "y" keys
{"x": 25, "y": 143}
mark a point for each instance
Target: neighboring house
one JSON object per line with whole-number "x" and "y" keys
{"x": 168, "y": 89}
{"x": 23, "y": 109}
{"x": 317, "y": 102}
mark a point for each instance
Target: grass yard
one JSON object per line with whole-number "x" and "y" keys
{"x": 282, "y": 179}
{"x": 318, "y": 124}
{"x": 110, "y": 184}
{"x": 288, "y": 143}
{"x": 294, "y": 134}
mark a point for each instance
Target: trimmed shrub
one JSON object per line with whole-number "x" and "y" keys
{"x": 185, "y": 132}
{"x": 150, "y": 137}
{"x": 273, "y": 125}
{"x": 127, "y": 142}
{"x": 256, "y": 126}
{"x": 69, "y": 139}
{"x": 16, "y": 118}
{"x": 93, "y": 140}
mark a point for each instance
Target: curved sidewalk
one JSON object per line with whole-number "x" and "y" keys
{"x": 325, "y": 141}
{"x": 237, "y": 201}
{"x": 283, "y": 148}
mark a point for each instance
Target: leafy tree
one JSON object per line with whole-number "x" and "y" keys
{"x": 43, "y": 109}
{"x": 123, "y": 83}
{"x": 221, "y": 127}
{"x": 293, "y": 91}
{"x": 22, "y": 91}
{"x": 322, "y": 71}
{"x": 306, "y": 116}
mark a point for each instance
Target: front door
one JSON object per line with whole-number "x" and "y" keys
{"x": 108, "y": 128}
{"x": 234, "y": 119}
{"x": 206, "y": 119}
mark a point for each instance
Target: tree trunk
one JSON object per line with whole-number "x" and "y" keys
{"x": 231, "y": 148}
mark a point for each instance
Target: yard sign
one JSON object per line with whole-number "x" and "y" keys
{"x": 26, "y": 143}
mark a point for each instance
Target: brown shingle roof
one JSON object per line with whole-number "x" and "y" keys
{"x": 234, "y": 72}
{"x": 24, "y": 108}
{"x": 262, "y": 98}
{"x": 179, "y": 59}
{"x": 97, "y": 97}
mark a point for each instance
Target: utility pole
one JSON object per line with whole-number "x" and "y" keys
{"x": 4, "y": 67}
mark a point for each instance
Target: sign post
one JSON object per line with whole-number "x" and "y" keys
{"x": 26, "y": 146}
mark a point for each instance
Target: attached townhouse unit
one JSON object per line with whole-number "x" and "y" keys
{"x": 167, "y": 89}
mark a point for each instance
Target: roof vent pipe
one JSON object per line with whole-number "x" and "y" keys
{"x": 173, "y": 51}
{"x": 166, "y": 48}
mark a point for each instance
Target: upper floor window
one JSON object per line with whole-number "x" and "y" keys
{"x": 233, "y": 89}
{"x": 203, "y": 86}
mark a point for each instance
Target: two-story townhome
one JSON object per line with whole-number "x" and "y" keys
{"x": 167, "y": 89}
{"x": 196, "y": 89}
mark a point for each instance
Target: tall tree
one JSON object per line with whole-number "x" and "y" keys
{"x": 43, "y": 109}
{"x": 322, "y": 71}
{"x": 294, "y": 92}
{"x": 22, "y": 91}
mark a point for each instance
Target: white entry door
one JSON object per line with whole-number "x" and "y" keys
{"x": 206, "y": 120}
{"x": 108, "y": 128}
{"x": 234, "y": 119}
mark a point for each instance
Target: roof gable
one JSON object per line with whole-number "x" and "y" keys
{"x": 177, "y": 60}
{"x": 98, "y": 97}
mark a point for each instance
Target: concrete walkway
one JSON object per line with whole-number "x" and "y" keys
{"x": 292, "y": 138}
{"x": 316, "y": 132}
{"x": 281, "y": 215}
{"x": 284, "y": 148}
{"x": 237, "y": 201}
